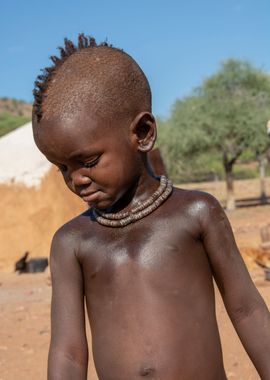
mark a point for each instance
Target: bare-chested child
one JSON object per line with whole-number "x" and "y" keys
{"x": 144, "y": 255}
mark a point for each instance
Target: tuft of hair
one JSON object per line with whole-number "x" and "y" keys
{"x": 99, "y": 75}
{"x": 42, "y": 82}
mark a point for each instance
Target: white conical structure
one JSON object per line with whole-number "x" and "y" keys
{"x": 20, "y": 160}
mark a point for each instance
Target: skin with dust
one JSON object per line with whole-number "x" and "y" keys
{"x": 148, "y": 286}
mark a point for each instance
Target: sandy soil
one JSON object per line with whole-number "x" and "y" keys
{"x": 29, "y": 218}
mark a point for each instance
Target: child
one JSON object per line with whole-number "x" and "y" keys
{"x": 144, "y": 255}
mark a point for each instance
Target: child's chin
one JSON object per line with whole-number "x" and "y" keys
{"x": 101, "y": 205}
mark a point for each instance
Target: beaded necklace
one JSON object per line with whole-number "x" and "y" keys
{"x": 122, "y": 219}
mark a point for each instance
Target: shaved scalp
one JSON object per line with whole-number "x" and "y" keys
{"x": 99, "y": 78}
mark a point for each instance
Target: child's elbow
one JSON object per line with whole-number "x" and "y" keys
{"x": 248, "y": 311}
{"x": 78, "y": 357}
{"x": 67, "y": 363}
{"x": 242, "y": 312}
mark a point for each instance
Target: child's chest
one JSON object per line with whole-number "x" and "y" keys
{"x": 159, "y": 255}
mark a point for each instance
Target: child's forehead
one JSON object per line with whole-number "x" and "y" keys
{"x": 69, "y": 143}
{"x": 78, "y": 131}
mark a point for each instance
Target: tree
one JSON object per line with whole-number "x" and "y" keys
{"x": 227, "y": 114}
{"x": 180, "y": 139}
{"x": 238, "y": 103}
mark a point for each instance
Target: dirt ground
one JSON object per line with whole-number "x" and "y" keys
{"x": 25, "y": 299}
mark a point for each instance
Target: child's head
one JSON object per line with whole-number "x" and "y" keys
{"x": 103, "y": 79}
{"x": 92, "y": 114}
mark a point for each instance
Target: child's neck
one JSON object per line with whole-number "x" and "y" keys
{"x": 143, "y": 188}
{"x": 141, "y": 210}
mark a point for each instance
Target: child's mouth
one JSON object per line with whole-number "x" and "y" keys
{"x": 90, "y": 197}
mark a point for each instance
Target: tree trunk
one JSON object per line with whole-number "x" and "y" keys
{"x": 228, "y": 166}
{"x": 230, "y": 201}
{"x": 263, "y": 196}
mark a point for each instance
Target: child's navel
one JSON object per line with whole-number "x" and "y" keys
{"x": 147, "y": 372}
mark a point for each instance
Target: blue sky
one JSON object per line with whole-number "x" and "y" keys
{"x": 177, "y": 43}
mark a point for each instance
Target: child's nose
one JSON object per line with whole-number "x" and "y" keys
{"x": 78, "y": 178}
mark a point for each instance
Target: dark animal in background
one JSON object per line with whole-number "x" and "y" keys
{"x": 20, "y": 264}
{"x": 37, "y": 264}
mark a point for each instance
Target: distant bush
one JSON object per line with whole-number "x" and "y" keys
{"x": 247, "y": 156}
{"x": 245, "y": 173}
{"x": 9, "y": 122}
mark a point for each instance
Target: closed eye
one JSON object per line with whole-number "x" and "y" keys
{"x": 92, "y": 163}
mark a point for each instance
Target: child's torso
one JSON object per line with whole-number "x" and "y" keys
{"x": 150, "y": 300}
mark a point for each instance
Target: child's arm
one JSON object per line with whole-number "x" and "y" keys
{"x": 242, "y": 300}
{"x": 68, "y": 354}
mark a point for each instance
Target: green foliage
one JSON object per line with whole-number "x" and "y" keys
{"x": 224, "y": 119}
{"x": 181, "y": 164}
{"x": 9, "y": 122}
{"x": 245, "y": 173}
{"x": 248, "y": 155}
{"x": 237, "y": 103}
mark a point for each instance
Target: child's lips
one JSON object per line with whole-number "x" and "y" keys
{"x": 90, "y": 197}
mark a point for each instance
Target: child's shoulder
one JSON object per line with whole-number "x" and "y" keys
{"x": 195, "y": 203}
{"x": 72, "y": 232}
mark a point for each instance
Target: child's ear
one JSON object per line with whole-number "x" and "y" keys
{"x": 144, "y": 130}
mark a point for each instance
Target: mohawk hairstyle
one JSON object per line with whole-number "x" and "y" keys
{"x": 100, "y": 77}
{"x": 43, "y": 80}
